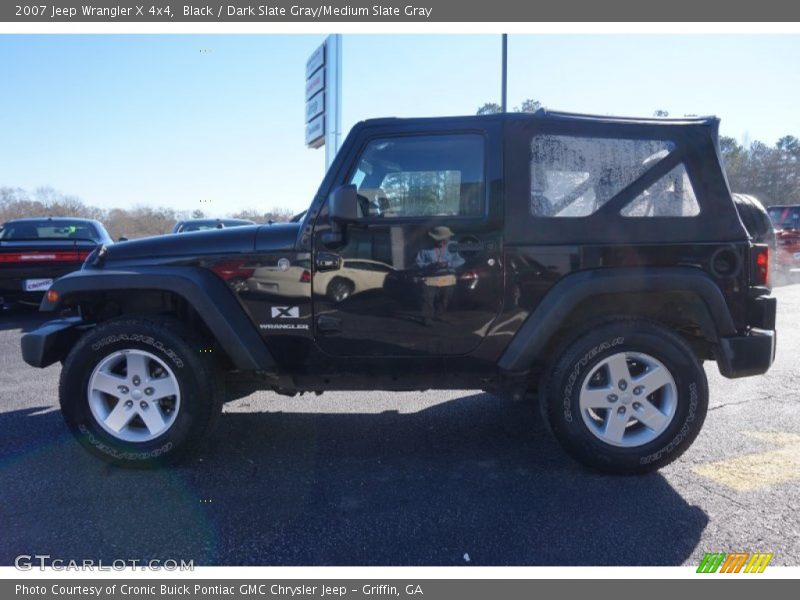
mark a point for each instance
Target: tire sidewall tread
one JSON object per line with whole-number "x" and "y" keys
{"x": 560, "y": 403}
{"x": 182, "y": 350}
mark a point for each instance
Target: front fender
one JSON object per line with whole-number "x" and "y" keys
{"x": 205, "y": 292}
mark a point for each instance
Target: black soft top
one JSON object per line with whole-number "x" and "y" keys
{"x": 544, "y": 114}
{"x": 693, "y": 146}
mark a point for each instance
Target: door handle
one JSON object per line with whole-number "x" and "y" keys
{"x": 327, "y": 262}
{"x": 326, "y": 323}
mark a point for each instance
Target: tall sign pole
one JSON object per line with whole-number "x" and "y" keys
{"x": 333, "y": 98}
{"x": 504, "y": 77}
{"x": 324, "y": 98}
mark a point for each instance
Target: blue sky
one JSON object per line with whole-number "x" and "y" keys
{"x": 174, "y": 120}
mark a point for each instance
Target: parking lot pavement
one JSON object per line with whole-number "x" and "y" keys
{"x": 434, "y": 478}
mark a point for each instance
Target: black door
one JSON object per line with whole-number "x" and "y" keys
{"x": 420, "y": 272}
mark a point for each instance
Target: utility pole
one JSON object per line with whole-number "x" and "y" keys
{"x": 504, "y": 84}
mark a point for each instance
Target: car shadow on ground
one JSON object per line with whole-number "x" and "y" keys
{"x": 470, "y": 481}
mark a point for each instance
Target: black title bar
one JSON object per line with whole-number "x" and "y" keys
{"x": 159, "y": 11}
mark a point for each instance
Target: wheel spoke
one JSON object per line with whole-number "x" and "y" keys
{"x": 596, "y": 398}
{"x": 137, "y": 416}
{"x": 650, "y": 416}
{"x": 108, "y": 383}
{"x": 618, "y": 369}
{"x": 654, "y": 379}
{"x": 153, "y": 419}
{"x": 137, "y": 365}
{"x": 119, "y": 417}
{"x": 163, "y": 387}
{"x": 633, "y": 377}
{"x": 615, "y": 425}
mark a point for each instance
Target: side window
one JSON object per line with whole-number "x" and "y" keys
{"x": 420, "y": 176}
{"x": 670, "y": 196}
{"x": 574, "y": 176}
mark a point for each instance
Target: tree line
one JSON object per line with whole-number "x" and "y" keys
{"x": 770, "y": 173}
{"x": 135, "y": 222}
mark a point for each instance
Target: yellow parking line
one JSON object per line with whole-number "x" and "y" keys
{"x": 753, "y": 471}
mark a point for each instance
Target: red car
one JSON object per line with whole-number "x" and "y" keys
{"x": 786, "y": 220}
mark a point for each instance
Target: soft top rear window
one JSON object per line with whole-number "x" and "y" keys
{"x": 575, "y": 176}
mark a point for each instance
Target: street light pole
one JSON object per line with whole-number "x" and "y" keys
{"x": 504, "y": 84}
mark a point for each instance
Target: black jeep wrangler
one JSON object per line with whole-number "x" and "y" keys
{"x": 595, "y": 262}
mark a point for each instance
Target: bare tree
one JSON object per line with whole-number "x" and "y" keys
{"x": 489, "y": 108}
{"x": 528, "y": 106}
{"x": 139, "y": 221}
{"x": 276, "y": 215}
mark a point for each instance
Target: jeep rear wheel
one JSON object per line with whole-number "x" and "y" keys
{"x": 629, "y": 396}
{"x": 139, "y": 391}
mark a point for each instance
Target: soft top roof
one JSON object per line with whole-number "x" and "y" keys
{"x": 555, "y": 115}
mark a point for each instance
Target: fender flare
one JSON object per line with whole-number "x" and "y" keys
{"x": 539, "y": 327}
{"x": 213, "y": 300}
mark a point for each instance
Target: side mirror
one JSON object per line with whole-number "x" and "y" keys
{"x": 342, "y": 209}
{"x": 122, "y": 238}
{"x": 343, "y": 204}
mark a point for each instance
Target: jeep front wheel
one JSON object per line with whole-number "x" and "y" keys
{"x": 628, "y": 397}
{"x": 139, "y": 391}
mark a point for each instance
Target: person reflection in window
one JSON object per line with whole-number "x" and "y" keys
{"x": 438, "y": 265}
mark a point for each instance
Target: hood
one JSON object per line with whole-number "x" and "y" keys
{"x": 232, "y": 240}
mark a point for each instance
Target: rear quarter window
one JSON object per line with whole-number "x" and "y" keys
{"x": 574, "y": 176}
{"x": 671, "y": 196}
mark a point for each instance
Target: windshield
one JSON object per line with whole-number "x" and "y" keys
{"x": 49, "y": 230}
{"x": 785, "y": 217}
{"x": 215, "y": 224}
{"x": 201, "y": 226}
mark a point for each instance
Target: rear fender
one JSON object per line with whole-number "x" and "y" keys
{"x": 554, "y": 311}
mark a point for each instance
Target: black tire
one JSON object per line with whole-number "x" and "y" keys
{"x": 340, "y": 289}
{"x": 561, "y": 388}
{"x": 168, "y": 340}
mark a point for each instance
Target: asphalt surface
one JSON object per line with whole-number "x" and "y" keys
{"x": 436, "y": 478}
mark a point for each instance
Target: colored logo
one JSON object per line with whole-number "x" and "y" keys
{"x": 737, "y": 562}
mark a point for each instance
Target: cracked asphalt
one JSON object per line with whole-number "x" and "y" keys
{"x": 403, "y": 479}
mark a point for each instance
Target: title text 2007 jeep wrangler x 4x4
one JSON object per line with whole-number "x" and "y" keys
{"x": 596, "y": 260}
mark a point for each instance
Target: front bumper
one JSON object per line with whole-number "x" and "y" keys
{"x": 51, "y": 342}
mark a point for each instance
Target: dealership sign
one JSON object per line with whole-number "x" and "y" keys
{"x": 323, "y": 111}
{"x": 315, "y": 84}
{"x": 315, "y": 98}
{"x": 315, "y": 107}
{"x": 315, "y": 61}
{"x": 315, "y": 132}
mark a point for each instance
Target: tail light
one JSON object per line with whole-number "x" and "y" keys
{"x": 40, "y": 257}
{"x": 760, "y": 265}
{"x": 305, "y": 276}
